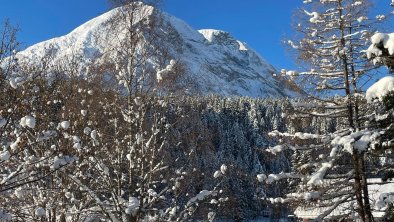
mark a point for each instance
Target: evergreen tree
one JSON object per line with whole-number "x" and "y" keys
{"x": 332, "y": 37}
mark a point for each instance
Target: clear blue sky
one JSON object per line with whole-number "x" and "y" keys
{"x": 263, "y": 24}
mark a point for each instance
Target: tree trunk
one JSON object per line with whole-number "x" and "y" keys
{"x": 358, "y": 186}
{"x": 358, "y": 189}
{"x": 367, "y": 204}
{"x": 361, "y": 166}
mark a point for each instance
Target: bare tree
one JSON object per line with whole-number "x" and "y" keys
{"x": 8, "y": 47}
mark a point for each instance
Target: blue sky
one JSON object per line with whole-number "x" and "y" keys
{"x": 262, "y": 24}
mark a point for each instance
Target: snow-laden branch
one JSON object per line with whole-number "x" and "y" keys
{"x": 276, "y": 177}
{"x": 333, "y": 207}
{"x": 298, "y": 135}
{"x": 95, "y": 197}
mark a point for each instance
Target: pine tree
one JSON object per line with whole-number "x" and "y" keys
{"x": 332, "y": 37}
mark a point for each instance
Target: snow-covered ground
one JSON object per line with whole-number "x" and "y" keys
{"x": 380, "y": 193}
{"x": 258, "y": 219}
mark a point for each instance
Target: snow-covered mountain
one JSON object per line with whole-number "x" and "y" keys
{"x": 217, "y": 63}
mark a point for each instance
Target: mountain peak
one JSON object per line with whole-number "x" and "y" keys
{"x": 216, "y": 62}
{"x": 219, "y": 37}
{"x": 215, "y": 36}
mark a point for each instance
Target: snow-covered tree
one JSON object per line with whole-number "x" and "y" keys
{"x": 72, "y": 147}
{"x": 68, "y": 154}
{"x": 8, "y": 46}
{"x": 333, "y": 35}
{"x": 381, "y": 50}
{"x": 139, "y": 56}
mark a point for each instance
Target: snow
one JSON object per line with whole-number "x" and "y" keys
{"x": 276, "y": 149}
{"x": 374, "y": 51}
{"x": 40, "y": 212}
{"x": 277, "y": 200}
{"x": 261, "y": 177}
{"x": 223, "y": 169}
{"x": 291, "y": 73}
{"x": 4, "y": 216}
{"x": 15, "y": 82}
{"x": 216, "y": 62}
{"x": 46, "y": 135}
{"x": 380, "y": 194}
{"x": 357, "y": 3}
{"x": 334, "y": 152}
{"x": 314, "y": 16}
{"x": 77, "y": 146}
{"x": 380, "y": 88}
{"x": 14, "y": 145}
{"x": 387, "y": 40}
{"x": 275, "y": 177}
{"x": 211, "y": 35}
{"x": 2, "y": 122}
{"x": 380, "y": 17}
{"x": 76, "y": 139}
{"x": 217, "y": 174}
{"x": 87, "y": 130}
{"x": 299, "y": 135}
{"x": 359, "y": 140}
{"x": 5, "y": 155}
{"x": 60, "y": 161}
{"x": 133, "y": 206}
{"x": 94, "y": 134}
{"x": 306, "y": 136}
{"x": 20, "y": 192}
{"x": 317, "y": 178}
{"x": 293, "y": 45}
{"x": 84, "y": 112}
{"x": 65, "y": 124}
{"x": 362, "y": 18}
{"x": 314, "y": 212}
{"x": 219, "y": 37}
{"x": 152, "y": 193}
{"x": 344, "y": 141}
{"x": 28, "y": 121}
{"x": 363, "y": 143}
{"x": 199, "y": 197}
{"x": 242, "y": 46}
{"x": 312, "y": 195}
{"x": 164, "y": 73}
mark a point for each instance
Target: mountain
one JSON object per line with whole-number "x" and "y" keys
{"x": 216, "y": 62}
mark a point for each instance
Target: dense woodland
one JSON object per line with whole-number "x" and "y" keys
{"x": 122, "y": 144}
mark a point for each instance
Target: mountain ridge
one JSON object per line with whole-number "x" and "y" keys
{"x": 217, "y": 62}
